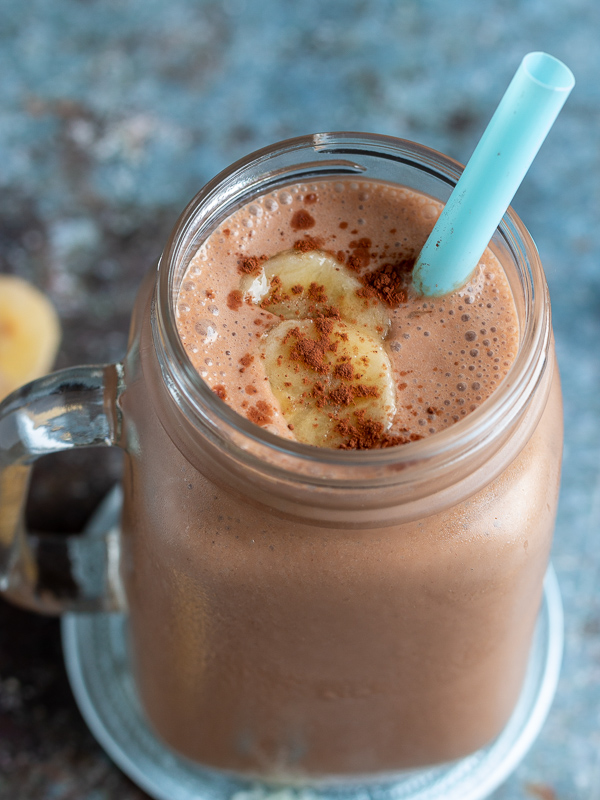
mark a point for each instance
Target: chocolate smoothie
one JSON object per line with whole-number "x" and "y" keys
{"x": 446, "y": 356}
{"x": 305, "y": 613}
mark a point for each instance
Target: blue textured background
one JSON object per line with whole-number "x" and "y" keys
{"x": 113, "y": 113}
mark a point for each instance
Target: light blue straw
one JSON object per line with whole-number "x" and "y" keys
{"x": 509, "y": 144}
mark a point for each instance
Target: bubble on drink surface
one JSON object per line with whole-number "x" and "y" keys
{"x": 183, "y": 308}
{"x": 285, "y": 198}
{"x": 255, "y": 210}
{"x": 395, "y": 346}
{"x": 214, "y": 310}
{"x": 188, "y": 286}
{"x": 206, "y": 330}
{"x": 271, "y": 204}
{"x": 430, "y": 211}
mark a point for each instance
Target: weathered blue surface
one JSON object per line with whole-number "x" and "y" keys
{"x": 113, "y": 114}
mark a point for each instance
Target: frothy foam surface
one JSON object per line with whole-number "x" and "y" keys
{"x": 448, "y": 355}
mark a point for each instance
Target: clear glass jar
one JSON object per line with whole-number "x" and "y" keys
{"x": 297, "y": 611}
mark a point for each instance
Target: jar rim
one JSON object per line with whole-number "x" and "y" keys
{"x": 265, "y": 451}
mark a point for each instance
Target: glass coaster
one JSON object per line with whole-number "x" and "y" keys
{"x": 97, "y": 661}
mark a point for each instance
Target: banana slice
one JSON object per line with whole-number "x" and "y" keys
{"x": 297, "y": 285}
{"x": 325, "y": 362}
{"x": 29, "y": 333}
{"x": 328, "y": 374}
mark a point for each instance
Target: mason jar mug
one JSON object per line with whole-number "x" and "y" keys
{"x": 295, "y": 611}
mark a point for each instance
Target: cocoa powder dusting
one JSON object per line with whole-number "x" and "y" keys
{"x": 389, "y": 282}
{"x": 235, "y": 300}
{"x": 276, "y": 294}
{"x": 368, "y": 434}
{"x": 364, "y": 390}
{"x": 437, "y": 412}
{"x": 361, "y": 254}
{"x": 324, "y": 325}
{"x": 220, "y": 391}
{"x": 302, "y": 220}
{"x": 309, "y": 352}
{"x": 364, "y": 434}
{"x": 345, "y": 370}
{"x": 245, "y": 361}
{"x": 250, "y": 265}
{"x": 316, "y": 293}
{"x": 345, "y": 395}
{"x": 261, "y": 413}
{"x": 307, "y": 244}
{"x": 341, "y": 396}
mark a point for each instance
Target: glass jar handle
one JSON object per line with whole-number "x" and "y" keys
{"x": 75, "y": 407}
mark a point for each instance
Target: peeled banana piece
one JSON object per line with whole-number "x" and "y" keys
{"x": 29, "y": 333}
{"x": 326, "y": 362}
{"x": 297, "y": 285}
{"x": 323, "y": 372}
